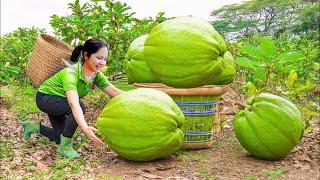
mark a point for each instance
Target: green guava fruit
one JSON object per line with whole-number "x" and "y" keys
{"x": 185, "y": 52}
{"x": 228, "y": 70}
{"x": 142, "y": 125}
{"x": 136, "y": 67}
{"x": 269, "y": 127}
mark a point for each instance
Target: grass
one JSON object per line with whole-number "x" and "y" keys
{"x": 215, "y": 144}
{"x": 274, "y": 174}
{"x": 250, "y": 178}
{"x": 20, "y": 100}
{"x": 205, "y": 173}
{"x": 197, "y": 156}
{"x": 61, "y": 164}
{"x": 6, "y": 149}
{"x": 182, "y": 156}
{"x": 270, "y": 175}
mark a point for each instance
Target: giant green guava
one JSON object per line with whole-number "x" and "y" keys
{"x": 185, "y": 52}
{"x": 136, "y": 67}
{"x": 269, "y": 127}
{"x": 228, "y": 70}
{"x": 142, "y": 125}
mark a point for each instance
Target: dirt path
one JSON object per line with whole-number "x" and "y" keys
{"x": 225, "y": 160}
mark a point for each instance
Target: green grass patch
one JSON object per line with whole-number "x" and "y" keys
{"x": 197, "y": 156}
{"x": 182, "y": 156}
{"x": 20, "y": 100}
{"x": 274, "y": 174}
{"x": 6, "y": 149}
{"x": 205, "y": 173}
{"x": 63, "y": 165}
{"x": 250, "y": 178}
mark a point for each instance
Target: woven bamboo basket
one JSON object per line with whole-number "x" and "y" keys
{"x": 202, "y": 108}
{"x": 46, "y": 58}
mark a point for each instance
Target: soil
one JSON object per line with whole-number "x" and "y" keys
{"x": 226, "y": 159}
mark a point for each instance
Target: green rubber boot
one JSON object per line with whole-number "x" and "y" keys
{"x": 65, "y": 148}
{"x": 30, "y": 127}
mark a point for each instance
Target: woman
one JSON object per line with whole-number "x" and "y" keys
{"x": 59, "y": 97}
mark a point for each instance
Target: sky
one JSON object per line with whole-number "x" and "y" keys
{"x": 28, "y": 13}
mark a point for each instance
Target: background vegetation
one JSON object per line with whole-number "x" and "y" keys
{"x": 275, "y": 43}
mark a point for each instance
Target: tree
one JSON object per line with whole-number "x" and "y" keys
{"x": 268, "y": 17}
{"x": 111, "y": 21}
{"x": 310, "y": 19}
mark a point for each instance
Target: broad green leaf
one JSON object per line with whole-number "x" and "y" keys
{"x": 260, "y": 73}
{"x": 313, "y": 106}
{"x": 87, "y": 20}
{"x": 253, "y": 51}
{"x": 267, "y": 46}
{"x": 315, "y": 66}
{"x": 290, "y": 57}
{"x": 289, "y": 68}
{"x": 278, "y": 66}
{"x": 247, "y": 63}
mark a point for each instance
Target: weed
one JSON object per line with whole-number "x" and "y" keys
{"x": 6, "y": 149}
{"x": 250, "y": 178}
{"x": 182, "y": 156}
{"x": 107, "y": 177}
{"x": 272, "y": 175}
{"x": 197, "y": 156}
{"x": 215, "y": 144}
{"x": 63, "y": 165}
{"x": 20, "y": 100}
{"x": 205, "y": 173}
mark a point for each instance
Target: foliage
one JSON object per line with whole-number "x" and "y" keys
{"x": 267, "y": 17}
{"x": 20, "y": 99}
{"x": 310, "y": 18}
{"x": 111, "y": 21}
{"x": 286, "y": 66}
{"x": 266, "y": 65}
{"x": 15, "y": 50}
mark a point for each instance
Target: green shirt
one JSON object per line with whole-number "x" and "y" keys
{"x": 72, "y": 78}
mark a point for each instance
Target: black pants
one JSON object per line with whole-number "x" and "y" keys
{"x": 60, "y": 116}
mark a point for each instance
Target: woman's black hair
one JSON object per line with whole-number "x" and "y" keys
{"x": 91, "y": 46}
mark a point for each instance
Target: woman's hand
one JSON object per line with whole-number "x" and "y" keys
{"x": 89, "y": 132}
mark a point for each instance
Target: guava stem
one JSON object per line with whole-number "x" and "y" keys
{"x": 240, "y": 104}
{"x": 232, "y": 113}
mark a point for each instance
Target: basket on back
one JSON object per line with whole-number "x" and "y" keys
{"x": 46, "y": 58}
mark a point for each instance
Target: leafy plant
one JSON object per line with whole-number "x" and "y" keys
{"x": 19, "y": 99}
{"x": 15, "y": 50}
{"x": 8, "y": 73}
{"x": 111, "y": 21}
{"x": 267, "y": 66}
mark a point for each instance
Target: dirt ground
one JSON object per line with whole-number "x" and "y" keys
{"x": 225, "y": 160}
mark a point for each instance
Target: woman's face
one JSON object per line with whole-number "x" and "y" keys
{"x": 97, "y": 60}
